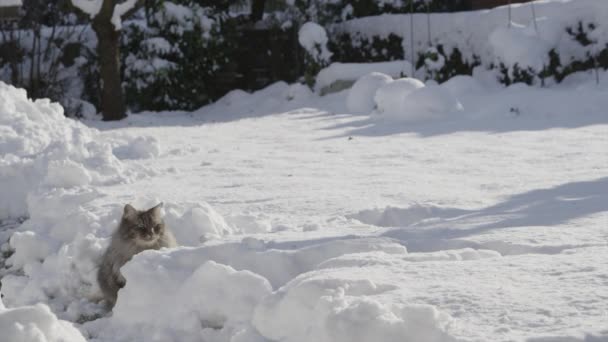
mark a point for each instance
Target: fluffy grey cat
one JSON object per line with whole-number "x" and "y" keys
{"x": 138, "y": 231}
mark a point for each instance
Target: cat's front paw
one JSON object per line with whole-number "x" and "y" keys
{"x": 121, "y": 281}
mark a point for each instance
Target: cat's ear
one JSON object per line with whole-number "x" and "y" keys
{"x": 155, "y": 212}
{"x": 129, "y": 211}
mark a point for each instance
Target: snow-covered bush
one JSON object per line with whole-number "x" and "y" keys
{"x": 47, "y": 52}
{"x": 438, "y": 65}
{"x": 332, "y": 11}
{"x": 171, "y": 62}
{"x": 313, "y": 39}
{"x": 356, "y": 48}
{"x": 567, "y": 37}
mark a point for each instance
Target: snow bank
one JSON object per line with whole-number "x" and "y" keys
{"x": 35, "y": 324}
{"x": 325, "y": 307}
{"x": 51, "y": 168}
{"x": 41, "y": 149}
{"x": 172, "y": 294}
{"x": 361, "y": 96}
{"x": 351, "y": 72}
{"x": 175, "y": 300}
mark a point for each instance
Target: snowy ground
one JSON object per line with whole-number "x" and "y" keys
{"x": 486, "y": 222}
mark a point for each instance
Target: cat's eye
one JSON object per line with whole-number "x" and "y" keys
{"x": 141, "y": 226}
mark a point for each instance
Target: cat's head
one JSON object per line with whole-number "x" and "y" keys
{"x": 144, "y": 227}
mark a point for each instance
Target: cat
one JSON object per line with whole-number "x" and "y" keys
{"x": 137, "y": 231}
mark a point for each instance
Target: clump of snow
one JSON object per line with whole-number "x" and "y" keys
{"x": 353, "y": 71}
{"x": 429, "y": 102}
{"x": 142, "y": 147}
{"x": 321, "y": 306}
{"x": 313, "y": 39}
{"x": 35, "y": 324}
{"x": 250, "y": 224}
{"x": 120, "y": 10}
{"x": 390, "y": 96}
{"x": 434, "y": 60}
{"x": 196, "y": 224}
{"x": 90, "y": 7}
{"x": 360, "y": 97}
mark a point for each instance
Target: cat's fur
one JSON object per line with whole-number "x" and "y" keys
{"x": 138, "y": 231}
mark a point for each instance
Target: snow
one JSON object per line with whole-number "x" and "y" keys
{"x": 488, "y": 35}
{"x": 390, "y": 97}
{"x": 90, "y": 7}
{"x": 353, "y": 71}
{"x": 313, "y": 39}
{"x": 35, "y": 324}
{"x": 392, "y": 211}
{"x": 361, "y": 96}
{"x": 120, "y": 10}
{"x": 165, "y": 298}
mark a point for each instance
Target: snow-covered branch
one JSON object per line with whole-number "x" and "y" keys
{"x": 90, "y": 7}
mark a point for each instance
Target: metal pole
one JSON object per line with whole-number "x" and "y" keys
{"x": 412, "y": 37}
{"x": 428, "y": 21}
{"x": 509, "y": 13}
{"x": 534, "y": 18}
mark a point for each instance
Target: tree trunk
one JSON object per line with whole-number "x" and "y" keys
{"x": 108, "y": 51}
{"x": 257, "y": 10}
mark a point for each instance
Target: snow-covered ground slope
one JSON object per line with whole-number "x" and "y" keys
{"x": 475, "y": 213}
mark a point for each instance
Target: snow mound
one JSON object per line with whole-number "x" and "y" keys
{"x": 462, "y": 85}
{"x": 361, "y": 96}
{"x": 51, "y": 169}
{"x": 35, "y": 324}
{"x": 277, "y": 97}
{"x": 390, "y": 96}
{"x": 168, "y": 299}
{"x": 327, "y": 307}
{"x": 42, "y": 149}
{"x": 351, "y": 72}
{"x": 430, "y": 102}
